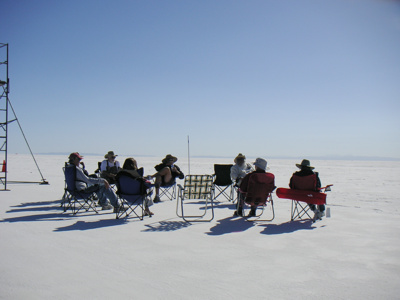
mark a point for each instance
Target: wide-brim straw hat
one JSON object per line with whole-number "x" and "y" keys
{"x": 168, "y": 158}
{"x": 239, "y": 156}
{"x": 305, "y": 164}
{"x": 110, "y": 153}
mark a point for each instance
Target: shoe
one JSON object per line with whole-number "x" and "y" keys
{"x": 106, "y": 207}
{"x": 148, "y": 213}
{"x": 317, "y": 214}
{"x": 238, "y": 213}
{"x": 156, "y": 199}
{"x": 119, "y": 209}
{"x": 321, "y": 214}
{"x": 252, "y": 213}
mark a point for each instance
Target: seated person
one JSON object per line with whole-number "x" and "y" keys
{"x": 109, "y": 167}
{"x": 261, "y": 167}
{"x": 167, "y": 171}
{"x": 130, "y": 169}
{"x": 307, "y": 179}
{"x": 87, "y": 184}
{"x": 240, "y": 169}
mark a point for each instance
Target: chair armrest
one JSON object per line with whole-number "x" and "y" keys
{"x": 180, "y": 191}
{"x": 325, "y": 188}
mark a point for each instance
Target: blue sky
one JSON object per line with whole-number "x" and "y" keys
{"x": 265, "y": 78}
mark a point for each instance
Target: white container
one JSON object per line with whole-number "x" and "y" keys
{"x": 328, "y": 212}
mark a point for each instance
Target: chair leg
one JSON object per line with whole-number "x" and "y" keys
{"x": 196, "y": 218}
{"x": 298, "y": 211}
{"x": 257, "y": 217}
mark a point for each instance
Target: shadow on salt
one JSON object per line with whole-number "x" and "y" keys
{"x": 166, "y": 226}
{"x": 287, "y": 227}
{"x": 83, "y": 225}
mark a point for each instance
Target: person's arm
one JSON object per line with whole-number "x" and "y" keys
{"x": 80, "y": 176}
{"x": 177, "y": 172}
{"x": 249, "y": 168}
{"x": 291, "y": 182}
{"x": 234, "y": 173}
{"x": 318, "y": 181}
{"x": 103, "y": 166}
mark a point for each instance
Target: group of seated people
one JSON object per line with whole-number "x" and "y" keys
{"x": 110, "y": 170}
{"x": 304, "y": 179}
{"x": 168, "y": 171}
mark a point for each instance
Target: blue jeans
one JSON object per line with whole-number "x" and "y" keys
{"x": 103, "y": 194}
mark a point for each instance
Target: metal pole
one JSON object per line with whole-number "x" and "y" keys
{"x": 188, "y": 154}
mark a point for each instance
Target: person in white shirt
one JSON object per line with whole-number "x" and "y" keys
{"x": 89, "y": 184}
{"x": 109, "y": 167}
{"x": 240, "y": 169}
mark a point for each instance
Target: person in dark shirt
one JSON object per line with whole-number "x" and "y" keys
{"x": 131, "y": 169}
{"x": 261, "y": 166}
{"x": 167, "y": 171}
{"x": 307, "y": 179}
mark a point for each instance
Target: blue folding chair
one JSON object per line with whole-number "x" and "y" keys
{"x": 168, "y": 191}
{"x": 132, "y": 195}
{"x": 74, "y": 199}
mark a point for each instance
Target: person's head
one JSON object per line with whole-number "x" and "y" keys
{"x": 75, "y": 158}
{"x": 169, "y": 160}
{"x": 110, "y": 156}
{"x": 261, "y": 164}
{"x": 305, "y": 165}
{"x": 240, "y": 159}
{"x": 130, "y": 164}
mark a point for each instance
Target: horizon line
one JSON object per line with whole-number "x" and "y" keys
{"x": 322, "y": 157}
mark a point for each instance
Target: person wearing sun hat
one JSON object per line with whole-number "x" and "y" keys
{"x": 260, "y": 165}
{"x": 167, "y": 171}
{"x": 109, "y": 167}
{"x": 89, "y": 184}
{"x": 307, "y": 179}
{"x": 240, "y": 169}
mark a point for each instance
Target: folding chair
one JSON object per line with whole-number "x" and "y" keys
{"x": 132, "y": 195}
{"x": 223, "y": 184}
{"x": 74, "y": 199}
{"x": 259, "y": 194}
{"x": 200, "y": 188}
{"x": 301, "y": 210}
{"x": 97, "y": 171}
{"x": 168, "y": 191}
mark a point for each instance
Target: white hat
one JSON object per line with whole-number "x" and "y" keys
{"x": 261, "y": 163}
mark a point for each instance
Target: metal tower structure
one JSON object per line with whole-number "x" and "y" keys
{"x": 5, "y": 104}
{"x": 4, "y": 101}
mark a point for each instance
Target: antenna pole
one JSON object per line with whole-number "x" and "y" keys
{"x": 188, "y": 153}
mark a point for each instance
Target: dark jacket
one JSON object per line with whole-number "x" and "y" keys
{"x": 174, "y": 174}
{"x": 304, "y": 173}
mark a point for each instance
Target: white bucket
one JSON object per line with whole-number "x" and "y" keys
{"x": 328, "y": 212}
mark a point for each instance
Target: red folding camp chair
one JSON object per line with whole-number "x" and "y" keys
{"x": 301, "y": 210}
{"x": 259, "y": 194}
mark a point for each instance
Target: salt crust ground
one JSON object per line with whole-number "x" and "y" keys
{"x": 355, "y": 254}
